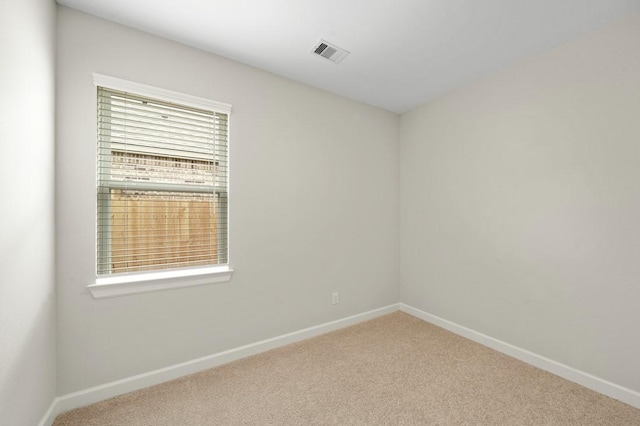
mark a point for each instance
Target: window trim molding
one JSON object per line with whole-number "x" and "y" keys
{"x": 144, "y": 282}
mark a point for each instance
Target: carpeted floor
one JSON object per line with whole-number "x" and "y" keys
{"x": 394, "y": 370}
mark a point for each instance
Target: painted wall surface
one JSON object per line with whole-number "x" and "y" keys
{"x": 520, "y": 205}
{"x": 27, "y": 291}
{"x": 313, "y": 209}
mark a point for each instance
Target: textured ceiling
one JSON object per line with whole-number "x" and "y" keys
{"x": 403, "y": 52}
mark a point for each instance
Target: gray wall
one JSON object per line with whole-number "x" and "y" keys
{"x": 520, "y": 205}
{"x": 27, "y": 292}
{"x": 518, "y": 202}
{"x": 314, "y": 209}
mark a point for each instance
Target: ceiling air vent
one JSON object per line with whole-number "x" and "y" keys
{"x": 329, "y": 51}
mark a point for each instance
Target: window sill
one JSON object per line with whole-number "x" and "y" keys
{"x": 122, "y": 285}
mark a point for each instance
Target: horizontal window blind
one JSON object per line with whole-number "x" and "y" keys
{"x": 162, "y": 184}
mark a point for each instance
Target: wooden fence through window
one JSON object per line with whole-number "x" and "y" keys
{"x": 151, "y": 228}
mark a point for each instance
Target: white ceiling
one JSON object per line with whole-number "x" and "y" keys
{"x": 403, "y": 52}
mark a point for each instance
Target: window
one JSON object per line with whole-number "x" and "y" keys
{"x": 162, "y": 184}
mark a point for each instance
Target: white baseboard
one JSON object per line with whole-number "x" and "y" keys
{"x": 140, "y": 381}
{"x": 587, "y": 380}
{"x": 130, "y": 384}
{"x": 51, "y": 414}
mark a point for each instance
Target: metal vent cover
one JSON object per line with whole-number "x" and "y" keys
{"x": 329, "y": 51}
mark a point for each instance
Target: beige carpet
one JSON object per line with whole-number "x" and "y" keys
{"x": 389, "y": 371}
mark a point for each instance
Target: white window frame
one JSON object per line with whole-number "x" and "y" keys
{"x": 111, "y": 286}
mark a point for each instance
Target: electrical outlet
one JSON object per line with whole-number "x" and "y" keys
{"x": 335, "y": 298}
